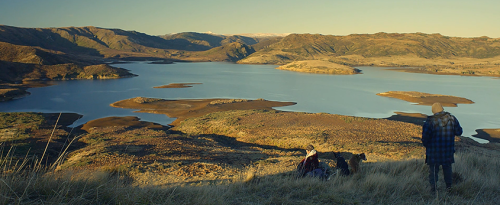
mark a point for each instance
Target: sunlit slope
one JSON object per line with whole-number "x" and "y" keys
{"x": 313, "y": 46}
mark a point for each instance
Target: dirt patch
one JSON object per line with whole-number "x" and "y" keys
{"x": 177, "y": 85}
{"x": 426, "y": 98}
{"x": 183, "y": 109}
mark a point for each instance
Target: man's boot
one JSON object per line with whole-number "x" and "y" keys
{"x": 433, "y": 189}
{"x": 448, "y": 188}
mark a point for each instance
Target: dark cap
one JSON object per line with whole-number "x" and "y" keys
{"x": 309, "y": 147}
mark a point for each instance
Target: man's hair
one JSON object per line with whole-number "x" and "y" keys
{"x": 309, "y": 147}
{"x": 437, "y": 107}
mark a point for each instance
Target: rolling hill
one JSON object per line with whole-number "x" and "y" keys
{"x": 116, "y": 43}
{"x": 203, "y": 41}
{"x": 427, "y": 46}
{"x": 60, "y": 53}
{"x": 23, "y": 48}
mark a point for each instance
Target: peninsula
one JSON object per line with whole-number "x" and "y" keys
{"x": 426, "y": 98}
{"x": 183, "y": 109}
{"x": 319, "y": 67}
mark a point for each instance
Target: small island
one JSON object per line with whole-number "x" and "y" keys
{"x": 426, "y": 98}
{"x": 177, "y": 85}
{"x": 320, "y": 67}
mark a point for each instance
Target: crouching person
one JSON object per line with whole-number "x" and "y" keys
{"x": 309, "y": 166}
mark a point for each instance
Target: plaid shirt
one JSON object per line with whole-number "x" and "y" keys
{"x": 438, "y": 137}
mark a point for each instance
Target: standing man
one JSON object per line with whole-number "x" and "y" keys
{"x": 438, "y": 137}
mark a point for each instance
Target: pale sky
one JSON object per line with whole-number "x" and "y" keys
{"x": 461, "y": 18}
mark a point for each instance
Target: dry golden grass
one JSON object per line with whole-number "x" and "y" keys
{"x": 126, "y": 165}
{"x": 392, "y": 182}
{"x": 379, "y": 138}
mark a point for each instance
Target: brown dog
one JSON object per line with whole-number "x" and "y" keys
{"x": 354, "y": 161}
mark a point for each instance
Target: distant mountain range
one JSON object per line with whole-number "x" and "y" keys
{"x": 24, "y": 51}
{"x": 30, "y": 53}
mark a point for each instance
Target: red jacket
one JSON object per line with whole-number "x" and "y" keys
{"x": 311, "y": 163}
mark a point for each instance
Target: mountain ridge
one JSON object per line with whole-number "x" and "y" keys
{"x": 93, "y": 45}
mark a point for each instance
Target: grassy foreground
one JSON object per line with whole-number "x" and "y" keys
{"x": 396, "y": 182}
{"x": 392, "y": 179}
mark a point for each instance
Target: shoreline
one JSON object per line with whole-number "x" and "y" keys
{"x": 405, "y": 68}
{"x": 492, "y": 135}
{"x": 419, "y": 70}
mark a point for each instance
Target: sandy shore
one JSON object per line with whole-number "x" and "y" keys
{"x": 426, "y": 98}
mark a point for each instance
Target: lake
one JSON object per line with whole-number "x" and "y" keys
{"x": 337, "y": 94}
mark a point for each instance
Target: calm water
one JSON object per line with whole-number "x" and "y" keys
{"x": 347, "y": 95}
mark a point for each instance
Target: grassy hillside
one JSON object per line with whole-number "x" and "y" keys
{"x": 203, "y": 41}
{"x": 32, "y": 55}
{"x": 231, "y": 52}
{"x": 118, "y": 43}
{"x": 432, "y": 53}
{"x": 86, "y": 40}
{"x": 135, "y": 165}
{"x": 383, "y": 44}
{"x": 20, "y": 63}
